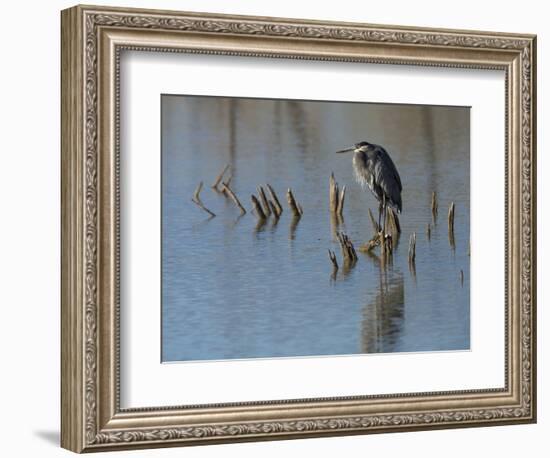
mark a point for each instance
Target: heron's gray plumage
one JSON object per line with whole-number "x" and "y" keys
{"x": 374, "y": 168}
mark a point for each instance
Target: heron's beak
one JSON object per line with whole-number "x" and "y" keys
{"x": 347, "y": 150}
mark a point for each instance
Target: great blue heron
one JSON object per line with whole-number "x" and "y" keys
{"x": 374, "y": 168}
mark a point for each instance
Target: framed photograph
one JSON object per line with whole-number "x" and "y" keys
{"x": 278, "y": 228}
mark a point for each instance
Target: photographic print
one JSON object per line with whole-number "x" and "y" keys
{"x": 298, "y": 228}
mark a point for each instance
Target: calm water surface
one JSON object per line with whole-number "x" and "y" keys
{"x": 234, "y": 289}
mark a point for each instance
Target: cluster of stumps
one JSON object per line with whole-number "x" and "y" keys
{"x": 264, "y": 204}
{"x": 385, "y": 236}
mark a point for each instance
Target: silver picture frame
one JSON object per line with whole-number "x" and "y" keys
{"x": 92, "y": 41}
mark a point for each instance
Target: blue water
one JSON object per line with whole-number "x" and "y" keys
{"x": 233, "y": 288}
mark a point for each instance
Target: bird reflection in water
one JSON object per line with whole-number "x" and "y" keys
{"x": 383, "y": 317}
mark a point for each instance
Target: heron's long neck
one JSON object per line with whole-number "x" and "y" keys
{"x": 359, "y": 160}
{"x": 360, "y": 168}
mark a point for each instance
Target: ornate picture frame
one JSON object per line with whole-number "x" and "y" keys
{"x": 92, "y": 41}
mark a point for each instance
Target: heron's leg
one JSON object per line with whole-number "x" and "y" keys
{"x": 384, "y": 210}
{"x": 380, "y": 207}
